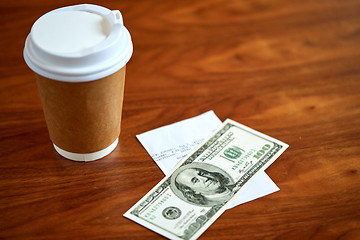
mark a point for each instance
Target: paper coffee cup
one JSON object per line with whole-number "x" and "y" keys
{"x": 79, "y": 54}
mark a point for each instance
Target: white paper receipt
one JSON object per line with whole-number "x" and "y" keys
{"x": 167, "y": 145}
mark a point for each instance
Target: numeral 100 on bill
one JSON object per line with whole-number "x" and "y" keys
{"x": 262, "y": 151}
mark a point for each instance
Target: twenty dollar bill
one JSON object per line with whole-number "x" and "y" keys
{"x": 193, "y": 195}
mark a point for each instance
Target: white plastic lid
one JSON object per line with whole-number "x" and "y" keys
{"x": 78, "y": 43}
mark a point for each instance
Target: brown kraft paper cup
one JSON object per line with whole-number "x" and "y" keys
{"x": 80, "y": 74}
{"x": 83, "y": 117}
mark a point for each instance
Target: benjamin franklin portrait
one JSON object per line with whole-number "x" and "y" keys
{"x": 202, "y": 184}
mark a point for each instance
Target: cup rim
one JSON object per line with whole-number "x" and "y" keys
{"x": 87, "y": 157}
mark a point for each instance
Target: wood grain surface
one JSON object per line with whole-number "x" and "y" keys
{"x": 290, "y": 69}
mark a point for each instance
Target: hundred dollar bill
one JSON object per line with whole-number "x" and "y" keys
{"x": 197, "y": 191}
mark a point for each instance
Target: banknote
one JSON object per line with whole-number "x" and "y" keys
{"x": 197, "y": 191}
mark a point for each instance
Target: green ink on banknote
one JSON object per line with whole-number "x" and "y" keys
{"x": 262, "y": 151}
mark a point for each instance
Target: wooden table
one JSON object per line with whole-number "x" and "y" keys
{"x": 290, "y": 69}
